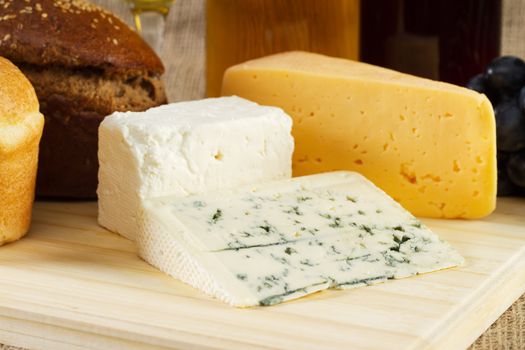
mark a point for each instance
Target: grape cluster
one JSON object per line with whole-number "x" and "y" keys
{"x": 503, "y": 82}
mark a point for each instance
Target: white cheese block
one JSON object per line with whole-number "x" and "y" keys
{"x": 187, "y": 148}
{"x": 282, "y": 240}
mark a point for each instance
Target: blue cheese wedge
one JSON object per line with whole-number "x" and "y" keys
{"x": 283, "y": 240}
{"x": 187, "y": 148}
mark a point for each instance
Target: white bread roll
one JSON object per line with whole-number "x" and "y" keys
{"x": 21, "y": 127}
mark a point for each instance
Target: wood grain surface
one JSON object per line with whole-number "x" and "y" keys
{"x": 70, "y": 284}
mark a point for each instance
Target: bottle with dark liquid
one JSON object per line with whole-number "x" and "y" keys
{"x": 449, "y": 40}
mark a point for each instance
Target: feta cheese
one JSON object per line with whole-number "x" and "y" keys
{"x": 187, "y": 148}
{"x": 282, "y": 240}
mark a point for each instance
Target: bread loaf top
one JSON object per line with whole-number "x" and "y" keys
{"x": 20, "y": 120}
{"x": 74, "y": 34}
{"x": 17, "y": 96}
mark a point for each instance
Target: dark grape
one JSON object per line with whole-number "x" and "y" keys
{"x": 504, "y": 84}
{"x": 503, "y": 158}
{"x": 478, "y": 83}
{"x": 516, "y": 169}
{"x": 521, "y": 100}
{"x": 510, "y": 126}
{"x": 505, "y": 186}
{"x": 506, "y": 75}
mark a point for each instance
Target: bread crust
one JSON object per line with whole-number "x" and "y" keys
{"x": 72, "y": 33}
{"x": 84, "y": 63}
{"x": 20, "y": 131}
{"x": 17, "y": 93}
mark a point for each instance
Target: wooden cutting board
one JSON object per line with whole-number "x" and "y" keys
{"x": 73, "y": 285}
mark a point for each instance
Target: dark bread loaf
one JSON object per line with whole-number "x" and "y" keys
{"x": 84, "y": 64}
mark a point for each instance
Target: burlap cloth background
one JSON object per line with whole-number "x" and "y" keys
{"x": 184, "y": 56}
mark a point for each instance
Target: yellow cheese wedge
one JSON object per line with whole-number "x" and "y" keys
{"x": 430, "y": 145}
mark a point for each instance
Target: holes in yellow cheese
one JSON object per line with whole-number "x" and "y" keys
{"x": 455, "y": 166}
{"x": 408, "y": 173}
{"x": 303, "y": 159}
{"x": 391, "y": 136}
{"x": 434, "y": 178}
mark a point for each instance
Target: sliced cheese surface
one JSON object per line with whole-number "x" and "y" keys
{"x": 187, "y": 148}
{"x": 282, "y": 240}
{"x": 428, "y": 144}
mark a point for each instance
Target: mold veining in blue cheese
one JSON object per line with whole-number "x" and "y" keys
{"x": 286, "y": 239}
{"x": 187, "y": 148}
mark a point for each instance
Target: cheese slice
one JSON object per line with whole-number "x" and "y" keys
{"x": 428, "y": 144}
{"x": 186, "y": 148}
{"x": 283, "y": 240}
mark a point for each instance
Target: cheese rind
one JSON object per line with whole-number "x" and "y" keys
{"x": 187, "y": 148}
{"x": 428, "y": 144}
{"x": 282, "y": 240}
